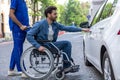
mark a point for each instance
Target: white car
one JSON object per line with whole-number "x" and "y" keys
{"x": 101, "y": 46}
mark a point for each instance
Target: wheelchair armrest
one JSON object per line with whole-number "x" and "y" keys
{"x": 44, "y": 41}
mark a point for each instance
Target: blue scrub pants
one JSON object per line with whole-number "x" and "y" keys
{"x": 18, "y": 38}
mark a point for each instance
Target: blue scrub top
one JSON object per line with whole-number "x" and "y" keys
{"x": 21, "y": 13}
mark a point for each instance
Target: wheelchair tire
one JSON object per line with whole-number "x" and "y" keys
{"x": 32, "y": 64}
{"x": 59, "y": 75}
{"x": 33, "y": 76}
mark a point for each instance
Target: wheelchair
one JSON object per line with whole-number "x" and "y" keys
{"x": 41, "y": 65}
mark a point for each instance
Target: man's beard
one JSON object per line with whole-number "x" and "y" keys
{"x": 53, "y": 19}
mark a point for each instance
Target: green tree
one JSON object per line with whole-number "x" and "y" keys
{"x": 37, "y": 8}
{"x": 46, "y": 3}
{"x": 74, "y": 12}
{"x": 61, "y": 13}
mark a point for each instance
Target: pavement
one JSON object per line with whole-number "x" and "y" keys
{"x": 85, "y": 73}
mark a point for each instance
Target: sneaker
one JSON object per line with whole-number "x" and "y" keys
{"x": 24, "y": 75}
{"x": 14, "y": 73}
{"x": 72, "y": 69}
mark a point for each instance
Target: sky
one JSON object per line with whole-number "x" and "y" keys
{"x": 63, "y": 1}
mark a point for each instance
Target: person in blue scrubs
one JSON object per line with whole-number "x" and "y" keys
{"x": 18, "y": 22}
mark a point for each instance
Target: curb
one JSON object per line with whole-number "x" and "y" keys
{"x": 6, "y": 42}
{"x": 2, "y": 40}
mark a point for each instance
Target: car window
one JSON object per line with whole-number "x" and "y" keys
{"x": 106, "y": 10}
{"x": 97, "y": 16}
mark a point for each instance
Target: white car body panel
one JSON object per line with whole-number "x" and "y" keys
{"x": 107, "y": 37}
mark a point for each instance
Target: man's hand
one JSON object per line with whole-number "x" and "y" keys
{"x": 86, "y": 29}
{"x": 23, "y": 27}
{"x": 41, "y": 48}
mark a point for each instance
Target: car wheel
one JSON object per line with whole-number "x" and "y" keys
{"x": 87, "y": 63}
{"x": 107, "y": 68}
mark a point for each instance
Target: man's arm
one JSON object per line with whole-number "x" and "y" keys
{"x": 71, "y": 28}
{"x": 31, "y": 33}
{"x": 15, "y": 20}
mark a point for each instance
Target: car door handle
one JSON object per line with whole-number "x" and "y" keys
{"x": 90, "y": 32}
{"x": 101, "y": 28}
{"x": 91, "y": 37}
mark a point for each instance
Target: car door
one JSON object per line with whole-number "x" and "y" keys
{"x": 100, "y": 28}
{"x": 96, "y": 37}
{"x": 98, "y": 24}
{"x": 91, "y": 36}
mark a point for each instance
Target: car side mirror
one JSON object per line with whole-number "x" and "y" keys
{"x": 84, "y": 25}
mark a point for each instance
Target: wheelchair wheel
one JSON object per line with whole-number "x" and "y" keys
{"x": 36, "y": 64}
{"x": 59, "y": 75}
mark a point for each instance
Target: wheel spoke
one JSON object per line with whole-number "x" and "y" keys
{"x": 37, "y": 66}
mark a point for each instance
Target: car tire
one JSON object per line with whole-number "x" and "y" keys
{"x": 87, "y": 63}
{"x": 107, "y": 68}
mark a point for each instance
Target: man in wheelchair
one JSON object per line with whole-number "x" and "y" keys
{"x": 48, "y": 29}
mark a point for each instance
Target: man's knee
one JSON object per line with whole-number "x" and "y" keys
{"x": 68, "y": 43}
{"x": 63, "y": 44}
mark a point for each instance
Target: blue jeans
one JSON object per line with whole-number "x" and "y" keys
{"x": 66, "y": 47}
{"x": 18, "y": 38}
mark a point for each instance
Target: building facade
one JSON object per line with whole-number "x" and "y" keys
{"x": 5, "y": 32}
{"x": 4, "y": 18}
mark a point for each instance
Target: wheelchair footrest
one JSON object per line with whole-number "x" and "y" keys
{"x": 72, "y": 69}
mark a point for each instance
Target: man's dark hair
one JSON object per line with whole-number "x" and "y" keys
{"x": 49, "y": 10}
